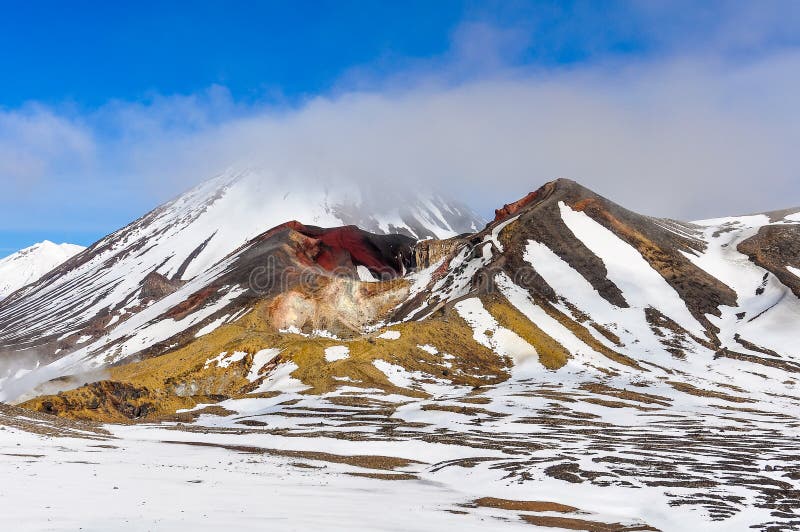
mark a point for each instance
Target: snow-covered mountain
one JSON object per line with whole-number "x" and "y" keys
{"x": 571, "y": 347}
{"x": 635, "y": 289}
{"x": 184, "y": 238}
{"x": 30, "y": 264}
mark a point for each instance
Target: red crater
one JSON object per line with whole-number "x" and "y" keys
{"x": 349, "y": 246}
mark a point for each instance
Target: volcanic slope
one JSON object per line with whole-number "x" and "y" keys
{"x": 181, "y": 242}
{"x": 572, "y": 347}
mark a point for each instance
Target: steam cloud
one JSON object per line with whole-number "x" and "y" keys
{"x": 24, "y": 375}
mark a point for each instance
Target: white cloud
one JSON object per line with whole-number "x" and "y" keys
{"x": 35, "y": 140}
{"x": 683, "y": 137}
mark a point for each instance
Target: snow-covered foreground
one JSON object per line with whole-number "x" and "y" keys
{"x": 569, "y": 454}
{"x": 137, "y": 483}
{"x": 574, "y": 366}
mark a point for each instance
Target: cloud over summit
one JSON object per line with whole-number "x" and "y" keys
{"x": 677, "y": 134}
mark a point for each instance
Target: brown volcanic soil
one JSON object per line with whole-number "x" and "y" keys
{"x": 661, "y": 242}
{"x": 658, "y": 245}
{"x": 773, "y": 248}
{"x": 510, "y": 209}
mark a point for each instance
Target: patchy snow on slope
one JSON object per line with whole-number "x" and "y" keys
{"x": 281, "y": 380}
{"x": 583, "y": 355}
{"x": 429, "y": 349}
{"x": 260, "y": 359}
{"x": 767, "y": 312}
{"x": 223, "y": 360}
{"x": 397, "y": 375}
{"x": 641, "y": 285}
{"x": 638, "y": 338}
{"x": 417, "y": 380}
{"x": 494, "y": 236}
{"x": 491, "y": 334}
{"x": 628, "y": 323}
{"x": 389, "y": 335}
{"x": 211, "y": 327}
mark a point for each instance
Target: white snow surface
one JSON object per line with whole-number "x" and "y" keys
{"x": 337, "y": 352}
{"x": 30, "y": 264}
{"x": 767, "y": 312}
{"x": 223, "y": 360}
{"x": 260, "y": 359}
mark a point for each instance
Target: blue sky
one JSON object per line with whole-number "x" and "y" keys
{"x": 90, "y": 52}
{"x": 109, "y": 108}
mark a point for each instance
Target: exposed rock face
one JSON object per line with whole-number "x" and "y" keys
{"x": 657, "y": 241}
{"x": 339, "y": 305}
{"x": 510, "y": 209}
{"x": 311, "y": 273}
{"x": 774, "y": 248}
{"x": 155, "y": 287}
{"x": 662, "y": 243}
{"x": 112, "y": 400}
{"x": 386, "y": 256}
{"x": 182, "y": 239}
{"x": 428, "y": 252}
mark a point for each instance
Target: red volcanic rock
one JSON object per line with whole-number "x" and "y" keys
{"x": 512, "y": 208}
{"x": 350, "y": 246}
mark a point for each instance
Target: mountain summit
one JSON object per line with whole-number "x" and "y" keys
{"x": 632, "y": 289}
{"x": 181, "y": 241}
{"x": 570, "y": 340}
{"x": 30, "y": 264}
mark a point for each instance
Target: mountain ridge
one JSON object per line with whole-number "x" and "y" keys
{"x": 458, "y": 268}
{"x": 571, "y": 345}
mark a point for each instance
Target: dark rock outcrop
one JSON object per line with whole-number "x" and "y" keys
{"x": 155, "y": 286}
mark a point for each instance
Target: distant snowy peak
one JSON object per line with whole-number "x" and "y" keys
{"x": 187, "y": 236}
{"x": 30, "y": 264}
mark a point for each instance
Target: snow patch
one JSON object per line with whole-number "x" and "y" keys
{"x": 260, "y": 359}
{"x": 211, "y": 327}
{"x": 281, "y": 380}
{"x": 491, "y": 334}
{"x": 641, "y": 285}
{"x": 223, "y": 360}
{"x": 364, "y": 274}
{"x": 337, "y": 352}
